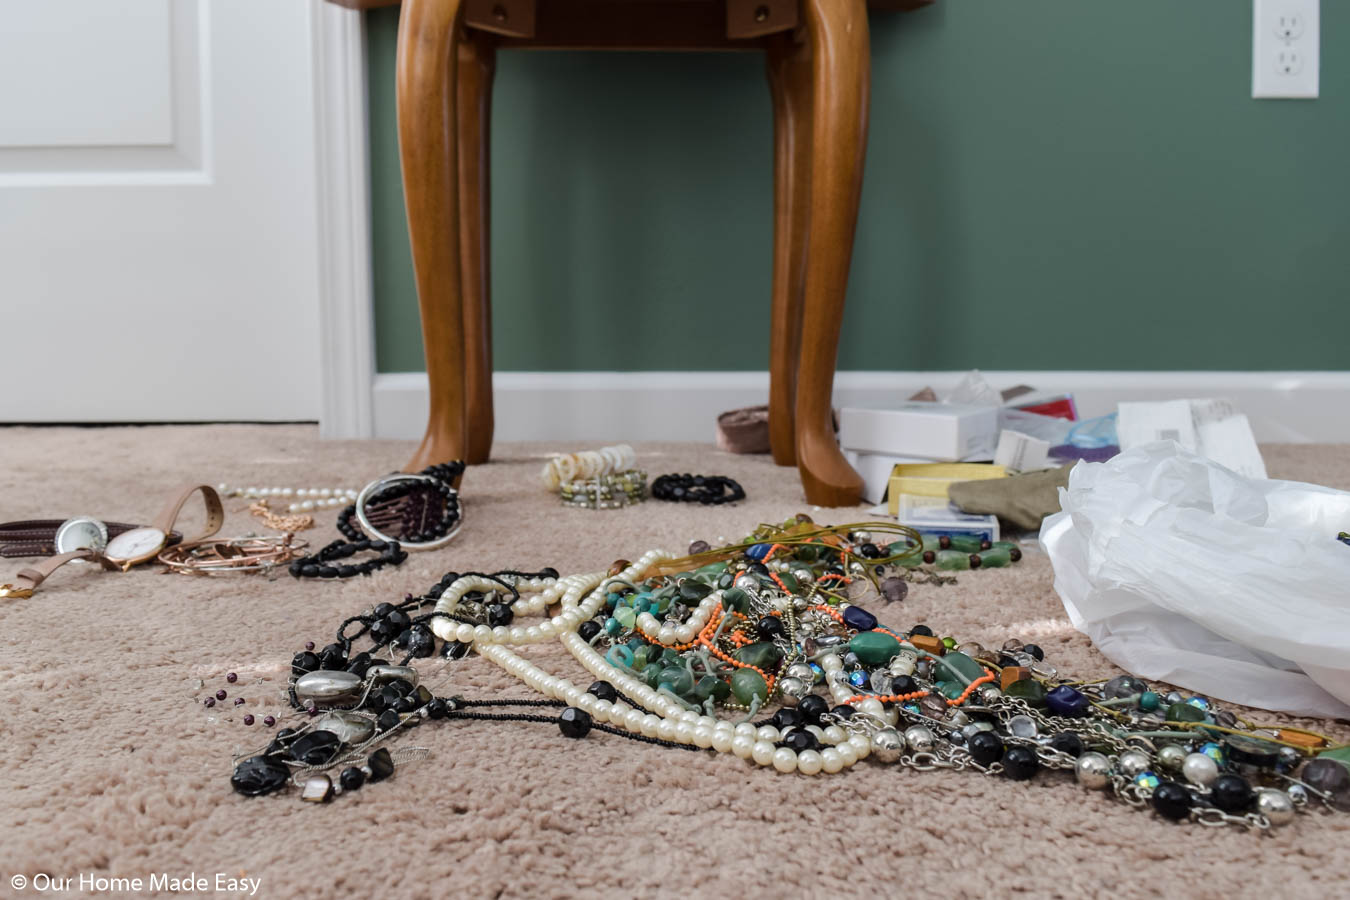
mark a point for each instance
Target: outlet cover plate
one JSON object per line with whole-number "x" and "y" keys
{"x": 1286, "y": 48}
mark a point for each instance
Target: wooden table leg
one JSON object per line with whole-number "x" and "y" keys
{"x": 840, "y": 53}
{"x": 477, "y": 63}
{"x": 426, "y": 74}
{"x": 789, "y": 65}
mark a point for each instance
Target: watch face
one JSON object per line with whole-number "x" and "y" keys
{"x": 81, "y": 533}
{"x": 135, "y": 545}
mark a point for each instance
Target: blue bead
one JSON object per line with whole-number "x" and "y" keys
{"x": 818, "y": 672}
{"x": 612, "y": 600}
{"x": 1199, "y": 702}
{"x": 1214, "y": 751}
{"x": 612, "y": 625}
{"x": 859, "y": 619}
{"x": 911, "y": 707}
{"x": 758, "y": 552}
{"x": 1067, "y": 702}
{"x": 620, "y": 656}
{"x": 1147, "y": 780}
{"x": 858, "y": 679}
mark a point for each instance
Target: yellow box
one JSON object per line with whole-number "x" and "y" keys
{"x": 933, "y": 479}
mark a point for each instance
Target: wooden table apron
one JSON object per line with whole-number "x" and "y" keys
{"x": 818, "y": 59}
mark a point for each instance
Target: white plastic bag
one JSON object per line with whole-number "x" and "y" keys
{"x": 1181, "y": 570}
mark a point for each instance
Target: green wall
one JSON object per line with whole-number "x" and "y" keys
{"x": 1051, "y": 184}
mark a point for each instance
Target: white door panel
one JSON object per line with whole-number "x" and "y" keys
{"x": 158, "y": 224}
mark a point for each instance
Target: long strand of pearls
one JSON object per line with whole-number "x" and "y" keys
{"x": 580, "y": 598}
{"x": 306, "y": 499}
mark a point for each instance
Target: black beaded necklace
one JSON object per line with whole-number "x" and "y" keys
{"x": 711, "y": 490}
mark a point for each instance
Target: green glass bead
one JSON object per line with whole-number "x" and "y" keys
{"x": 670, "y": 658}
{"x": 951, "y": 689}
{"x": 1149, "y": 700}
{"x": 789, "y": 581}
{"x": 1003, "y": 545}
{"x": 1184, "y": 712}
{"x": 930, "y": 541}
{"x": 949, "y": 643}
{"x": 953, "y": 560}
{"x": 1029, "y": 689}
{"x": 874, "y": 648}
{"x": 680, "y": 681}
{"x": 694, "y": 591}
{"x": 625, "y": 616}
{"x": 640, "y": 656}
{"x": 612, "y": 625}
{"x": 912, "y": 561}
{"x": 995, "y": 559}
{"x": 712, "y": 569}
{"x": 761, "y": 655}
{"x": 735, "y": 600}
{"x": 806, "y": 553}
{"x": 747, "y": 684}
{"x": 712, "y": 686}
{"x": 652, "y": 675}
{"x": 726, "y": 580}
{"x": 961, "y": 663}
{"x": 965, "y": 543}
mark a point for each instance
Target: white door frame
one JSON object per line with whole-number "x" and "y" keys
{"x": 346, "y": 292}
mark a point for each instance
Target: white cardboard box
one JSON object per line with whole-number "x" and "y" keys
{"x": 933, "y": 431}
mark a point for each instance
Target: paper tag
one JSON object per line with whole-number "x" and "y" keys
{"x": 1021, "y": 452}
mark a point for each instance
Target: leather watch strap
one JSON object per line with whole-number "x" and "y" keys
{"x": 37, "y": 537}
{"x": 215, "y": 510}
{"x": 27, "y": 580}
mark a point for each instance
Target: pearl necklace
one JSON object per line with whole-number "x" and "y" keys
{"x": 308, "y": 499}
{"x": 580, "y": 597}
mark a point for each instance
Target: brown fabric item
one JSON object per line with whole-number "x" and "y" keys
{"x": 744, "y": 430}
{"x": 113, "y": 766}
{"x": 1020, "y": 500}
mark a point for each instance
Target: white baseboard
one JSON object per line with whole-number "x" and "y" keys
{"x": 597, "y": 407}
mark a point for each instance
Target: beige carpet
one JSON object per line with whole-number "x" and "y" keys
{"x": 113, "y": 766}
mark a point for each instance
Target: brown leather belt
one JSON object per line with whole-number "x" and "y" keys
{"x": 37, "y": 537}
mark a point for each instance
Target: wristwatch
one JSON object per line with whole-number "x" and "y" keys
{"x": 84, "y": 538}
{"x": 141, "y": 544}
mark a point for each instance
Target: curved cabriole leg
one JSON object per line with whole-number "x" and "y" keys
{"x": 426, "y": 73}
{"x": 837, "y": 33}
{"x": 789, "y": 65}
{"x": 477, "y": 62}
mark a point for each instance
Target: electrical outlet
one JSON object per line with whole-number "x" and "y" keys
{"x": 1286, "y": 48}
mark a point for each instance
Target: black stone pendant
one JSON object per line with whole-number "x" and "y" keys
{"x": 316, "y": 748}
{"x": 259, "y": 775}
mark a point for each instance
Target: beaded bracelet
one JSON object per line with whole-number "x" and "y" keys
{"x": 705, "y": 489}
{"x": 607, "y": 491}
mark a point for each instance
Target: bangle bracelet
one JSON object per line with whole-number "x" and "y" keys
{"x": 705, "y": 489}
{"x": 245, "y": 554}
{"x": 607, "y": 491}
{"x": 382, "y": 505}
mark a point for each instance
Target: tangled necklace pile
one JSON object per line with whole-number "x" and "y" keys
{"x": 686, "y": 652}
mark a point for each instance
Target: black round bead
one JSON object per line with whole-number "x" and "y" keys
{"x": 813, "y": 706}
{"x": 351, "y": 778}
{"x": 388, "y": 720}
{"x": 334, "y": 656}
{"x": 1035, "y": 651}
{"x": 986, "y": 747}
{"x": 574, "y": 722}
{"x": 406, "y": 704}
{"x": 399, "y": 619}
{"x": 1020, "y": 763}
{"x": 842, "y": 711}
{"x": 1171, "y": 800}
{"x": 385, "y": 630}
{"x": 604, "y": 690}
{"x": 800, "y": 739}
{"x": 770, "y": 627}
{"x": 304, "y": 662}
{"x": 499, "y": 614}
{"x": 358, "y": 664}
{"x": 588, "y": 630}
{"x": 786, "y": 718}
{"x": 922, "y": 629}
{"x": 295, "y": 568}
{"x": 1068, "y": 742}
{"x": 903, "y": 684}
{"x": 1231, "y": 793}
{"x": 1004, "y": 661}
{"x": 870, "y": 551}
{"x": 259, "y": 775}
{"x": 316, "y": 748}
{"x": 455, "y": 650}
{"x": 438, "y": 708}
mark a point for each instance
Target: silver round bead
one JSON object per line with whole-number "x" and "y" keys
{"x": 920, "y": 739}
{"x": 862, "y": 537}
{"x": 988, "y": 693}
{"x": 747, "y": 583}
{"x": 805, "y": 577}
{"x": 801, "y": 671}
{"x": 1093, "y": 770}
{"x": 1275, "y": 806}
{"x": 792, "y": 689}
{"x": 887, "y": 745}
{"x": 1172, "y": 756}
{"x": 1199, "y": 769}
{"x": 1132, "y": 763}
{"x": 1297, "y": 793}
{"x": 1290, "y": 757}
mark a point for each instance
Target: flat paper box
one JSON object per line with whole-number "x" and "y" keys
{"x": 932, "y": 515}
{"x": 927, "y": 430}
{"x": 876, "y": 470}
{"x": 933, "y": 479}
